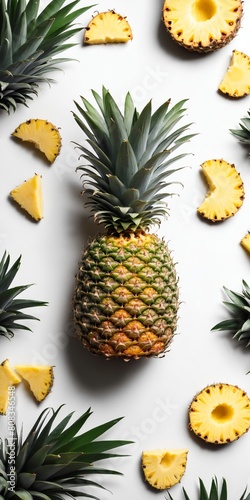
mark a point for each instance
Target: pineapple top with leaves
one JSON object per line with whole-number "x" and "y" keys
{"x": 11, "y": 307}
{"x": 243, "y": 133}
{"x": 56, "y": 462}
{"x": 29, "y": 44}
{"x": 214, "y": 493}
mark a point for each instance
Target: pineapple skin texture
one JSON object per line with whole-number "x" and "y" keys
{"x": 126, "y": 297}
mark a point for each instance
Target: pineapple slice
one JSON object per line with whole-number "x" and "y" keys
{"x": 108, "y": 27}
{"x": 236, "y": 81}
{"x": 226, "y": 190}
{"x": 40, "y": 379}
{"x": 220, "y": 413}
{"x": 245, "y": 242}
{"x": 29, "y": 196}
{"x": 164, "y": 468}
{"x": 43, "y": 134}
{"x": 7, "y": 378}
{"x": 202, "y": 25}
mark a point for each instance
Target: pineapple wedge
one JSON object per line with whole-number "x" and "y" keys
{"x": 164, "y": 468}
{"x": 236, "y": 81}
{"x": 245, "y": 242}
{"x": 108, "y": 27}
{"x": 226, "y": 190}
{"x": 29, "y": 196}
{"x": 43, "y": 134}
{"x": 39, "y": 378}
{"x": 220, "y": 413}
{"x": 7, "y": 378}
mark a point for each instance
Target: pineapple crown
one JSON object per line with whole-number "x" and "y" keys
{"x": 129, "y": 160}
{"x": 243, "y": 133}
{"x": 29, "y": 40}
{"x": 11, "y": 307}
{"x": 239, "y": 307}
{"x": 54, "y": 461}
{"x": 214, "y": 493}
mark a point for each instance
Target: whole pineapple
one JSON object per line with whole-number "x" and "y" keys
{"x": 55, "y": 460}
{"x": 29, "y": 43}
{"x": 126, "y": 297}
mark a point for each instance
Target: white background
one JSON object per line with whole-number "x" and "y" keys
{"x": 153, "y": 395}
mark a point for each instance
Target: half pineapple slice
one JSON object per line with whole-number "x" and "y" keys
{"x": 164, "y": 468}
{"x": 202, "y": 25}
{"x": 29, "y": 196}
{"x": 236, "y": 81}
{"x": 108, "y": 27}
{"x": 220, "y": 413}
{"x": 43, "y": 134}
{"x": 226, "y": 190}
{"x": 8, "y": 377}
{"x": 39, "y": 378}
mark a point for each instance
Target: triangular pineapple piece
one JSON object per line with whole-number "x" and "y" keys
{"x": 43, "y": 134}
{"x": 40, "y": 379}
{"x": 245, "y": 242}
{"x": 7, "y": 378}
{"x": 108, "y": 27}
{"x": 29, "y": 196}
{"x": 164, "y": 468}
{"x": 236, "y": 81}
{"x": 226, "y": 190}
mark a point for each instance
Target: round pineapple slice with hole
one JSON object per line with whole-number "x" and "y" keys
{"x": 236, "y": 81}
{"x": 108, "y": 27}
{"x": 164, "y": 468}
{"x": 39, "y": 378}
{"x": 202, "y": 25}
{"x": 226, "y": 190}
{"x": 43, "y": 134}
{"x": 220, "y": 413}
{"x": 8, "y": 378}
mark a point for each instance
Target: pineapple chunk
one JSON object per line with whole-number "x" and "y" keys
{"x": 245, "y": 242}
{"x": 39, "y": 378}
{"x": 164, "y": 468}
{"x": 43, "y": 134}
{"x": 220, "y": 413}
{"x": 108, "y": 27}
{"x": 236, "y": 81}
{"x": 226, "y": 191}
{"x": 29, "y": 196}
{"x": 7, "y": 378}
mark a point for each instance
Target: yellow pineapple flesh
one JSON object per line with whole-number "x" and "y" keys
{"x": 245, "y": 242}
{"x": 108, "y": 27}
{"x": 8, "y": 377}
{"x": 29, "y": 196}
{"x": 226, "y": 190}
{"x": 164, "y": 468}
{"x": 39, "y": 378}
{"x": 220, "y": 413}
{"x": 202, "y": 25}
{"x": 236, "y": 81}
{"x": 43, "y": 134}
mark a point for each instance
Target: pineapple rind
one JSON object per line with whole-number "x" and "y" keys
{"x": 40, "y": 379}
{"x": 202, "y": 26}
{"x": 108, "y": 27}
{"x": 236, "y": 81}
{"x": 29, "y": 196}
{"x": 164, "y": 468}
{"x": 8, "y": 377}
{"x": 226, "y": 190}
{"x": 43, "y": 134}
{"x": 126, "y": 299}
{"x": 231, "y": 404}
